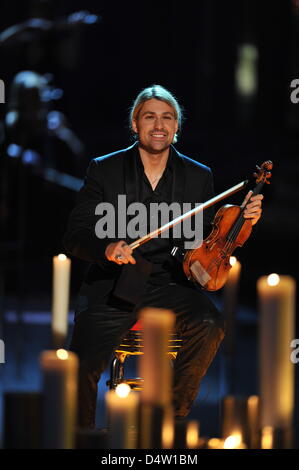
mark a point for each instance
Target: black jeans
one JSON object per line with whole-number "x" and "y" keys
{"x": 99, "y": 330}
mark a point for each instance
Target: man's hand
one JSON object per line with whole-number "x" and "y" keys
{"x": 253, "y": 209}
{"x": 119, "y": 253}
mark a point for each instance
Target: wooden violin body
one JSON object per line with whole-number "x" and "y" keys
{"x": 209, "y": 264}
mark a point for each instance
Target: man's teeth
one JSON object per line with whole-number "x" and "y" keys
{"x": 158, "y": 135}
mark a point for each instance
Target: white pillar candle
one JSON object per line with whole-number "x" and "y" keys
{"x": 230, "y": 293}
{"x": 253, "y": 418}
{"x": 60, "y": 299}
{"x": 154, "y": 364}
{"x": 267, "y": 438}
{"x": 276, "y": 330}
{"x": 59, "y": 376}
{"x": 121, "y": 408}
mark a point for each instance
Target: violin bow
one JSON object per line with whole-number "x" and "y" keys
{"x": 196, "y": 210}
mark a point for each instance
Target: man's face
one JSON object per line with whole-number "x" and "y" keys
{"x": 156, "y": 125}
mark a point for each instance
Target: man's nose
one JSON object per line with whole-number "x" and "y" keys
{"x": 158, "y": 123}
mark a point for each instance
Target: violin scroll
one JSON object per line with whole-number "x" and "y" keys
{"x": 264, "y": 172}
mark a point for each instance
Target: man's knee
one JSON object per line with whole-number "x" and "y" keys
{"x": 215, "y": 318}
{"x": 212, "y": 319}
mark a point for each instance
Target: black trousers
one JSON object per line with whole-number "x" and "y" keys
{"x": 99, "y": 330}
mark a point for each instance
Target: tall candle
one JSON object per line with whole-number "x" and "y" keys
{"x": 156, "y": 411}
{"x": 253, "y": 417}
{"x": 192, "y": 434}
{"x": 230, "y": 292}
{"x": 230, "y": 295}
{"x": 121, "y": 410}
{"x": 154, "y": 364}
{"x": 59, "y": 377}
{"x": 267, "y": 438}
{"x": 60, "y": 299}
{"x": 276, "y": 330}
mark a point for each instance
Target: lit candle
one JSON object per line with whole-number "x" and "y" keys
{"x": 234, "y": 442}
{"x": 168, "y": 430}
{"x": 267, "y": 437}
{"x": 121, "y": 407}
{"x": 154, "y": 364}
{"x": 59, "y": 375}
{"x": 60, "y": 299}
{"x": 253, "y": 404}
{"x": 277, "y": 316}
{"x": 192, "y": 434}
{"x": 156, "y": 411}
{"x": 240, "y": 416}
{"x": 230, "y": 295}
{"x": 234, "y": 417}
{"x": 215, "y": 443}
{"x": 230, "y": 291}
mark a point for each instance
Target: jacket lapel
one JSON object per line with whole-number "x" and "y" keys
{"x": 130, "y": 174}
{"x": 179, "y": 177}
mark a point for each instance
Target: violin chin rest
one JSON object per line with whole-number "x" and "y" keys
{"x": 200, "y": 273}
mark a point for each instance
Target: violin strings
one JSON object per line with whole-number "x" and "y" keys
{"x": 234, "y": 232}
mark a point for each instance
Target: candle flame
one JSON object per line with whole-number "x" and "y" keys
{"x": 122, "y": 390}
{"x": 233, "y": 441}
{"x": 267, "y": 437}
{"x": 168, "y": 433}
{"x": 62, "y": 354}
{"x": 192, "y": 435}
{"x": 61, "y": 257}
{"x": 253, "y": 400}
{"x": 215, "y": 443}
{"x": 273, "y": 279}
{"x": 232, "y": 260}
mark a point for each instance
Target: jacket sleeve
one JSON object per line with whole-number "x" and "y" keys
{"x": 80, "y": 239}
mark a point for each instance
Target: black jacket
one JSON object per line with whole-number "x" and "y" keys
{"x": 106, "y": 178}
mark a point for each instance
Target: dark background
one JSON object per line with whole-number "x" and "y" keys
{"x": 191, "y": 49}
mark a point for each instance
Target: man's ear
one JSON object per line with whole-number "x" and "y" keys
{"x": 134, "y": 126}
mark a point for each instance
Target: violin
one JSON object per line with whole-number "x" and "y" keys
{"x": 209, "y": 264}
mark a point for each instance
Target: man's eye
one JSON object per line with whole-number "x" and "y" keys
{"x": 149, "y": 117}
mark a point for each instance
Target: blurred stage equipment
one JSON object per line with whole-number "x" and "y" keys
{"x": 32, "y": 28}
{"x": 39, "y": 145}
{"x": 133, "y": 345}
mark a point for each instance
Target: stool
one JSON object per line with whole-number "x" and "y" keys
{"x": 132, "y": 345}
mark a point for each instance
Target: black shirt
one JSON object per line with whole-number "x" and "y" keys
{"x": 158, "y": 249}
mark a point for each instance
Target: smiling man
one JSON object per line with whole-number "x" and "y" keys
{"x": 119, "y": 282}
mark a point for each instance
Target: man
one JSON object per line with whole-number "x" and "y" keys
{"x": 116, "y": 287}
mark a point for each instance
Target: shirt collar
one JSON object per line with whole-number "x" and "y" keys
{"x": 169, "y": 164}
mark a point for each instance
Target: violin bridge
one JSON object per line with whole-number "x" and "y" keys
{"x": 200, "y": 273}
